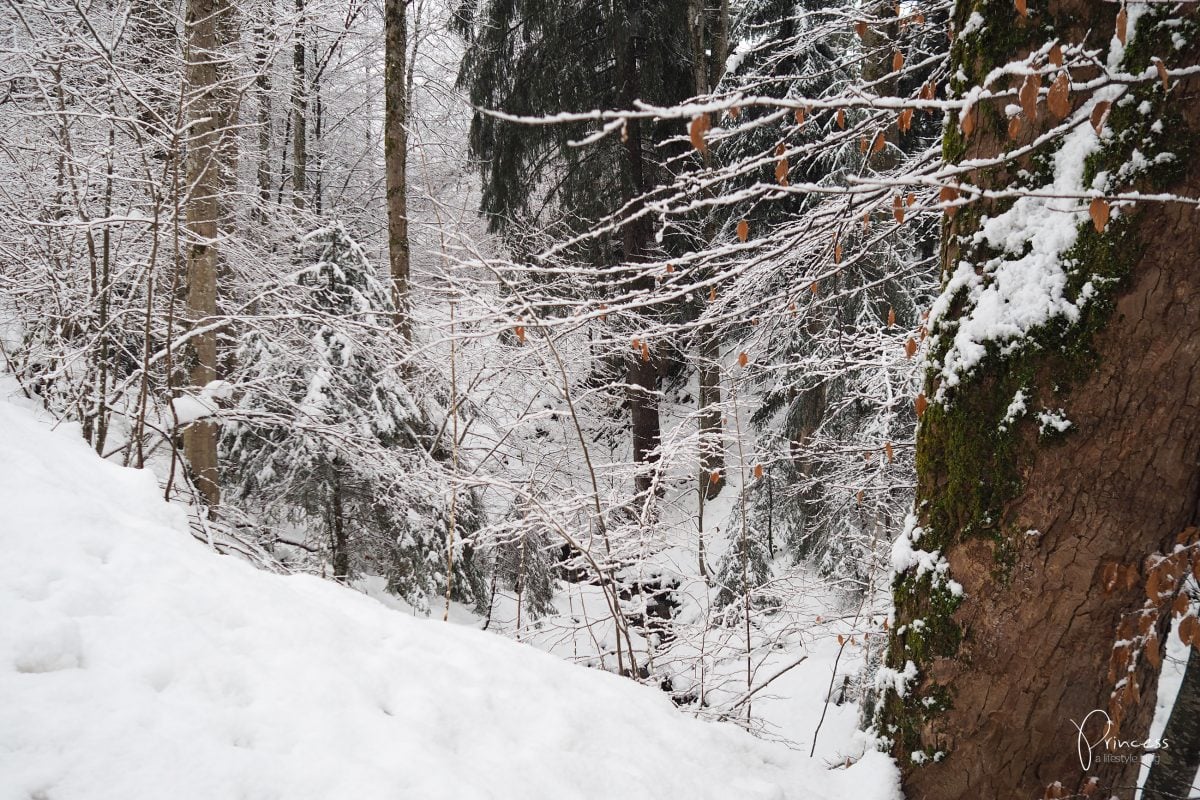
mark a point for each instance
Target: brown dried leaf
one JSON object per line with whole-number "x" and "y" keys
{"x": 1099, "y": 112}
{"x": 1153, "y": 653}
{"x": 879, "y": 142}
{"x": 898, "y": 209}
{"x": 863, "y": 144}
{"x": 1109, "y": 576}
{"x": 1122, "y": 26}
{"x": 891, "y": 317}
{"x": 696, "y": 130}
{"x": 520, "y": 332}
{"x": 743, "y": 359}
{"x": 1163, "y": 75}
{"x": 1014, "y": 127}
{"x": 715, "y": 477}
{"x": 904, "y": 123}
{"x": 860, "y": 28}
{"x": 897, "y": 61}
{"x": 910, "y": 347}
{"x": 910, "y": 200}
{"x": 1056, "y": 55}
{"x": 841, "y": 118}
{"x": 1180, "y": 606}
{"x": 1059, "y": 98}
{"x": 781, "y": 172}
{"x": 603, "y": 312}
{"x": 735, "y": 112}
{"x": 969, "y": 118}
{"x": 712, "y": 294}
{"x": 743, "y": 230}
{"x": 799, "y": 115}
{"x": 645, "y": 351}
{"x": 947, "y": 195}
{"x": 1029, "y": 96}
{"x": 920, "y": 405}
{"x": 1098, "y": 209}
{"x": 887, "y": 450}
{"x": 758, "y": 472}
{"x": 1187, "y": 630}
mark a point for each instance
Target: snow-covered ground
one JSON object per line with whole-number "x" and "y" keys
{"x": 136, "y": 663}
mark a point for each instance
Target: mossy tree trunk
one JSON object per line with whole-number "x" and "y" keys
{"x": 1029, "y": 524}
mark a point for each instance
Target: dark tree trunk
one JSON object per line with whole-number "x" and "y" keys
{"x": 1173, "y": 773}
{"x": 337, "y": 528}
{"x": 642, "y": 371}
{"x": 710, "y": 50}
{"x": 262, "y": 94}
{"x": 1030, "y": 525}
{"x": 395, "y": 145}
{"x": 299, "y": 113}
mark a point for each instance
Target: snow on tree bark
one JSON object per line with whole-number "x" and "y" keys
{"x": 1003, "y": 629}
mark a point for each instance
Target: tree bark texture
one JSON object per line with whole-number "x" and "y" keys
{"x": 1173, "y": 773}
{"x": 212, "y": 114}
{"x": 395, "y": 143}
{"x": 1030, "y": 524}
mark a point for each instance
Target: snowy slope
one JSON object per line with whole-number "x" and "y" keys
{"x": 135, "y": 663}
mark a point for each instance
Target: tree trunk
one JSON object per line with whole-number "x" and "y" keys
{"x": 642, "y": 372}
{"x": 395, "y": 147}
{"x": 212, "y": 112}
{"x": 710, "y": 48}
{"x": 1030, "y": 522}
{"x": 337, "y": 526}
{"x": 1173, "y": 773}
{"x": 299, "y": 113}
{"x": 263, "y": 35}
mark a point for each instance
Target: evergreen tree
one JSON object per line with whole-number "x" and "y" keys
{"x": 329, "y": 438}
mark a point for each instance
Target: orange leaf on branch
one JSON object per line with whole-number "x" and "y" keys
{"x": 1098, "y": 210}
{"x": 1059, "y": 98}
{"x": 696, "y": 130}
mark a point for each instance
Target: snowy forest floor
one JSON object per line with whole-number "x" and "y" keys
{"x": 137, "y": 663}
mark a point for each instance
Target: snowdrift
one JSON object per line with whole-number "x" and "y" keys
{"x": 135, "y": 663}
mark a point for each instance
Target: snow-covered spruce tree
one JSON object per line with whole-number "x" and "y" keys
{"x": 1057, "y": 449}
{"x": 327, "y": 437}
{"x": 524, "y": 559}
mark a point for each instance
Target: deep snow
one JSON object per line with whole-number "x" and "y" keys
{"x": 136, "y": 663}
